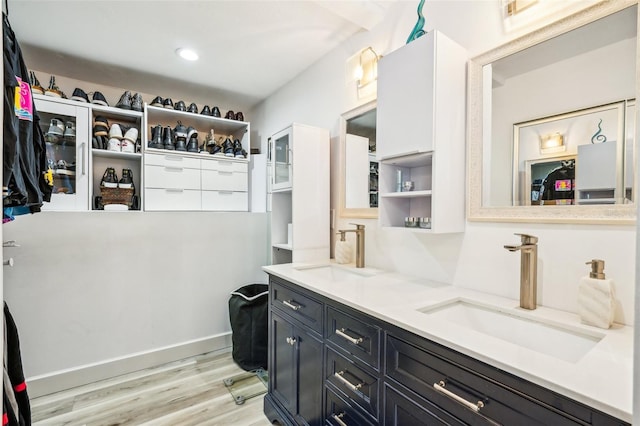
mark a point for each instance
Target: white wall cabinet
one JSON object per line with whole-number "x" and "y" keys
{"x": 301, "y": 196}
{"x": 421, "y": 134}
{"x": 195, "y": 181}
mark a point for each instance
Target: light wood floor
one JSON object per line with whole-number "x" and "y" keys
{"x": 186, "y": 392}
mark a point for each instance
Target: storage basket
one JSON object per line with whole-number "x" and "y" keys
{"x": 117, "y": 195}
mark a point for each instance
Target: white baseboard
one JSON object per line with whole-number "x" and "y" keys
{"x": 65, "y": 379}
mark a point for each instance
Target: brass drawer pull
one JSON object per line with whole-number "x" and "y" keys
{"x": 338, "y": 419}
{"x": 440, "y": 387}
{"x": 291, "y": 304}
{"x": 341, "y": 332}
{"x": 340, "y": 376}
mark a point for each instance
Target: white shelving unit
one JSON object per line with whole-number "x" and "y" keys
{"x": 421, "y": 134}
{"x": 301, "y": 197}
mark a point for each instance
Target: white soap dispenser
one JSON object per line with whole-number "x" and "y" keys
{"x": 596, "y": 298}
{"x": 343, "y": 252}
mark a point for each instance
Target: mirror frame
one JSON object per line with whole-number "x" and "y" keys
{"x": 364, "y": 213}
{"x": 600, "y": 214}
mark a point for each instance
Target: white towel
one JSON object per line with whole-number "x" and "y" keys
{"x": 596, "y": 302}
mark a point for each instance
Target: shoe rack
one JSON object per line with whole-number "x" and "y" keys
{"x": 194, "y": 181}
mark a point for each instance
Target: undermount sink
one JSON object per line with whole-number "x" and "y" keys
{"x": 506, "y": 324}
{"x": 334, "y": 272}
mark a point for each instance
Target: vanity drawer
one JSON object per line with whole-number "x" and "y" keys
{"x": 358, "y": 385}
{"x": 171, "y": 160}
{"x": 446, "y": 384}
{"x": 224, "y": 180}
{"x": 171, "y": 199}
{"x": 225, "y": 201}
{"x": 401, "y": 410}
{"x": 338, "y": 412}
{"x": 356, "y": 337}
{"x": 297, "y": 305}
{"x": 172, "y": 177}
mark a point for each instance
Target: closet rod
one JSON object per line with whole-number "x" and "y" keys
{"x": 8, "y": 262}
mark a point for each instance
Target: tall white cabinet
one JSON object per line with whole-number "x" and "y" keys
{"x": 421, "y": 134}
{"x": 299, "y": 194}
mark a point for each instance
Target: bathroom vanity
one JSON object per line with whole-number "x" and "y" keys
{"x": 362, "y": 347}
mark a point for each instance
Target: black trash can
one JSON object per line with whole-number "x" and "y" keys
{"x": 248, "y": 313}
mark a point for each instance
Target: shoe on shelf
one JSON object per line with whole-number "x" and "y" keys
{"x": 131, "y": 134}
{"x": 53, "y": 89}
{"x": 180, "y": 106}
{"x": 227, "y": 147}
{"x": 109, "y": 178}
{"x": 114, "y": 144}
{"x": 206, "y": 110}
{"x": 167, "y": 103}
{"x": 181, "y": 145}
{"x": 215, "y": 112}
{"x": 230, "y": 115}
{"x": 125, "y": 101}
{"x": 115, "y": 131}
{"x": 191, "y": 132}
{"x": 99, "y": 99}
{"x": 36, "y": 87}
{"x": 128, "y": 143}
{"x": 237, "y": 149}
{"x": 136, "y": 102}
{"x": 79, "y": 95}
{"x": 95, "y": 144}
{"x": 156, "y": 137}
{"x": 193, "y": 108}
{"x": 126, "y": 181}
{"x": 180, "y": 131}
{"x": 157, "y": 102}
{"x": 218, "y": 148}
{"x": 192, "y": 146}
{"x": 100, "y": 121}
{"x": 56, "y": 127}
{"x": 70, "y": 130}
{"x": 100, "y": 130}
{"x": 239, "y": 116}
{"x": 168, "y": 138}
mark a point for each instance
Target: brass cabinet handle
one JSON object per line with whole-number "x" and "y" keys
{"x": 440, "y": 387}
{"x": 291, "y": 304}
{"x": 340, "y": 376}
{"x": 338, "y": 419}
{"x": 341, "y": 332}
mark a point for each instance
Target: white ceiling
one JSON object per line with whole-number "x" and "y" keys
{"x": 248, "y": 49}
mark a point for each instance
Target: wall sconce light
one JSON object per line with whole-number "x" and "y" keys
{"x": 367, "y": 70}
{"x": 552, "y": 143}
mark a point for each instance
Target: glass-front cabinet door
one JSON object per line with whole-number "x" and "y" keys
{"x": 66, "y": 131}
{"x": 281, "y": 155}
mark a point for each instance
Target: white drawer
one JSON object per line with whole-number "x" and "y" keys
{"x": 172, "y": 199}
{"x": 225, "y": 201}
{"x": 172, "y": 177}
{"x": 172, "y": 160}
{"x": 224, "y": 180}
{"x": 227, "y": 165}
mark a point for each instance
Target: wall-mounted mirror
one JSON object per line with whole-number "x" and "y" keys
{"x": 359, "y": 168}
{"x": 557, "y": 107}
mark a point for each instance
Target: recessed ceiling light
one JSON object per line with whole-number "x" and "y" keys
{"x": 187, "y": 54}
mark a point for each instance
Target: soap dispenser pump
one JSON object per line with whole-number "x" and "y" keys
{"x": 596, "y": 298}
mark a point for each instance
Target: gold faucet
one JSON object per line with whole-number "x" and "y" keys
{"x": 359, "y": 243}
{"x": 528, "y": 270}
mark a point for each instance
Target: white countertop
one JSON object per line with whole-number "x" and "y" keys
{"x": 602, "y": 378}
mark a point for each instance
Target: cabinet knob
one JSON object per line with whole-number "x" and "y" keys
{"x": 291, "y": 340}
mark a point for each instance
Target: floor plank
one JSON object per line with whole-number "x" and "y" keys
{"x": 186, "y": 392}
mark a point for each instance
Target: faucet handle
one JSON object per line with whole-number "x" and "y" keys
{"x": 527, "y": 239}
{"x": 357, "y": 225}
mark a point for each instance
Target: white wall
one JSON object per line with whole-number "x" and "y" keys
{"x": 475, "y": 258}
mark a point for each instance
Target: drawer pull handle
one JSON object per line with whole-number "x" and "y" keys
{"x": 341, "y": 332}
{"x": 340, "y": 376}
{"x": 172, "y": 158}
{"x": 176, "y": 190}
{"x": 338, "y": 419}
{"x": 226, "y": 173}
{"x": 291, "y": 304}
{"x": 440, "y": 387}
{"x": 174, "y": 169}
{"x": 291, "y": 340}
{"x": 225, "y": 192}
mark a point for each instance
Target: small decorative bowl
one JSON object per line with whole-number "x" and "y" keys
{"x": 411, "y": 222}
{"x": 407, "y": 185}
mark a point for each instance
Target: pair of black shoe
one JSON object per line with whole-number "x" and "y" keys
{"x": 179, "y": 106}
{"x": 97, "y": 98}
{"x": 212, "y": 112}
{"x": 181, "y": 138}
{"x": 127, "y": 101}
{"x": 239, "y": 116}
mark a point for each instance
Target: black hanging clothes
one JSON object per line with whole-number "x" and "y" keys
{"x": 15, "y": 404}
{"x": 24, "y": 161}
